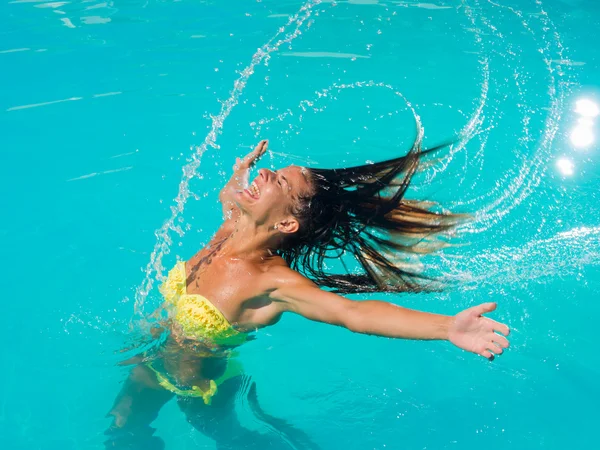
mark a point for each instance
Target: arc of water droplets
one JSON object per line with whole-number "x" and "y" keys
{"x": 469, "y": 131}
{"x": 500, "y": 200}
{"x": 473, "y": 126}
{"x": 561, "y": 254}
{"x": 528, "y": 178}
{"x": 478, "y": 119}
{"x": 529, "y": 175}
{"x": 325, "y": 93}
{"x": 531, "y": 172}
{"x": 163, "y": 238}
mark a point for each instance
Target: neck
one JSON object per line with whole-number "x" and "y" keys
{"x": 250, "y": 240}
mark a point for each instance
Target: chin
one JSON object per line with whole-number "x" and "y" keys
{"x": 242, "y": 202}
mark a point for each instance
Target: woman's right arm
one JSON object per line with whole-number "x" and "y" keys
{"x": 468, "y": 330}
{"x": 239, "y": 179}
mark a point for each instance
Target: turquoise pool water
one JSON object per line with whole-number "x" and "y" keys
{"x": 119, "y": 121}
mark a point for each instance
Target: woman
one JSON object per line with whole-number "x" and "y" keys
{"x": 267, "y": 258}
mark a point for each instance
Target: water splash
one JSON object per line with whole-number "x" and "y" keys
{"x": 514, "y": 185}
{"x": 519, "y": 183}
{"x": 530, "y": 151}
{"x": 285, "y": 35}
{"x": 564, "y": 254}
{"x": 511, "y": 188}
{"x": 474, "y": 124}
{"x": 330, "y": 93}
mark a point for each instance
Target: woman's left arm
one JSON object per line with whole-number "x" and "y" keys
{"x": 468, "y": 330}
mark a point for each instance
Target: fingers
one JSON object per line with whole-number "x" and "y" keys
{"x": 497, "y": 327}
{"x": 484, "y": 308}
{"x": 494, "y": 345}
{"x": 255, "y": 155}
{"x": 497, "y": 344}
{"x": 499, "y": 340}
{"x": 494, "y": 326}
{"x": 251, "y": 158}
{"x": 258, "y": 151}
{"x": 501, "y": 328}
{"x": 262, "y": 146}
{"x": 494, "y": 348}
{"x": 487, "y": 354}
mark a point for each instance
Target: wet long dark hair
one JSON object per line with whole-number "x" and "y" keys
{"x": 362, "y": 211}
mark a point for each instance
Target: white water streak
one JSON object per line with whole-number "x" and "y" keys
{"x": 163, "y": 236}
{"x": 534, "y": 167}
{"x": 519, "y": 187}
{"x": 37, "y": 105}
{"x": 504, "y": 197}
{"x": 327, "y": 94}
{"x": 95, "y": 174}
{"x": 15, "y": 50}
{"x": 337, "y": 55}
{"x": 564, "y": 254}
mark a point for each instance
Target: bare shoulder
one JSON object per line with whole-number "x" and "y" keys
{"x": 280, "y": 275}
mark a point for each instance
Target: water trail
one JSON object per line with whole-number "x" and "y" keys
{"x": 504, "y": 197}
{"x": 475, "y": 122}
{"x": 468, "y": 132}
{"x": 329, "y": 93}
{"x": 163, "y": 235}
{"x": 517, "y": 183}
{"x": 564, "y": 254}
{"x": 534, "y": 167}
{"x": 490, "y": 106}
{"x": 471, "y": 129}
{"x": 494, "y": 204}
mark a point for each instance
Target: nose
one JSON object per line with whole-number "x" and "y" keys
{"x": 265, "y": 174}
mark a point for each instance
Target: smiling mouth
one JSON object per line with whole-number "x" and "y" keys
{"x": 253, "y": 190}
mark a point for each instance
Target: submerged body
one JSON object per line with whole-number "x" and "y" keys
{"x": 241, "y": 282}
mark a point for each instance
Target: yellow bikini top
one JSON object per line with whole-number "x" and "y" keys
{"x": 198, "y": 318}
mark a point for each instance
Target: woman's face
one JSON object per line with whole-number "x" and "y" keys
{"x": 271, "y": 196}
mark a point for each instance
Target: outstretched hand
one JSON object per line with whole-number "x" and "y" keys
{"x": 251, "y": 158}
{"x": 475, "y": 333}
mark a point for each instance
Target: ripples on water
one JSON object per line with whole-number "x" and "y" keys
{"x": 504, "y": 168}
{"x": 525, "y": 84}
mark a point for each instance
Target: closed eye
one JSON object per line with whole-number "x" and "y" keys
{"x": 281, "y": 177}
